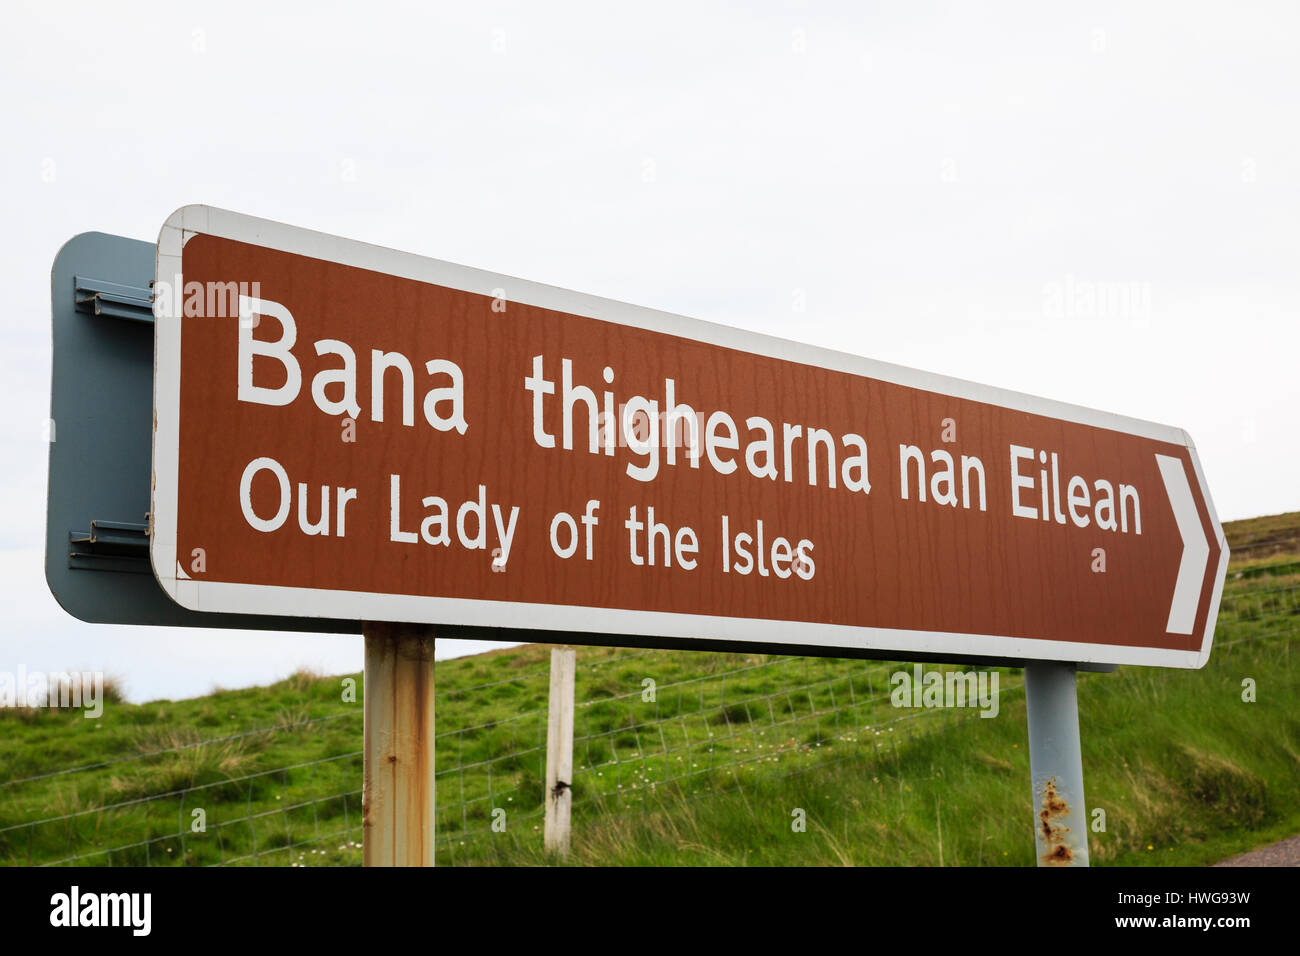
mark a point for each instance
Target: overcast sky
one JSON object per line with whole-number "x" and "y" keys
{"x": 936, "y": 185}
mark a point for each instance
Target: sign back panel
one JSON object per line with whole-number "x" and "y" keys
{"x": 352, "y": 432}
{"x": 101, "y": 413}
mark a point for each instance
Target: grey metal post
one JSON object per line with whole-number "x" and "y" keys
{"x": 1056, "y": 764}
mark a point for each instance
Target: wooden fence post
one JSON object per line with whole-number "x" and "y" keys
{"x": 559, "y": 751}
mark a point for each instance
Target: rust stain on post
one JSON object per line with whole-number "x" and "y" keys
{"x": 1054, "y": 809}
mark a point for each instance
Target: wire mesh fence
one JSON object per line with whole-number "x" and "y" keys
{"x": 650, "y": 726}
{"x": 635, "y": 736}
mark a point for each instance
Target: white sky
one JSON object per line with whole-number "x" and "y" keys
{"x": 925, "y": 178}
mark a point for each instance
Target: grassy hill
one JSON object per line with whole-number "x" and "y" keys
{"x": 707, "y": 772}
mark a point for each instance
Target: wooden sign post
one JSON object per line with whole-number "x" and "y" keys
{"x": 397, "y": 796}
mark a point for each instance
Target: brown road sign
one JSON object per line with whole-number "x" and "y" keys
{"x": 346, "y": 431}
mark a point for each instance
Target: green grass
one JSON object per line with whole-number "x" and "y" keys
{"x": 1186, "y": 772}
{"x": 709, "y": 772}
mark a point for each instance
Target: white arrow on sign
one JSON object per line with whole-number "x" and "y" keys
{"x": 1196, "y": 547}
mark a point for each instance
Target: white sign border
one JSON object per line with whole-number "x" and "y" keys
{"x": 198, "y": 595}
